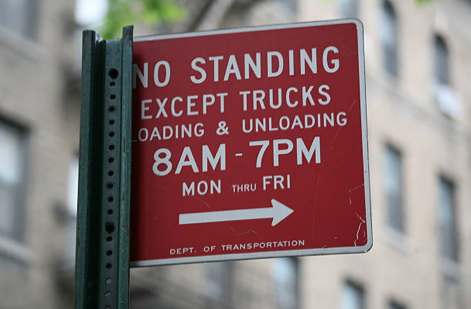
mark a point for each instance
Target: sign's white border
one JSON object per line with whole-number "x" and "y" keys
{"x": 366, "y": 173}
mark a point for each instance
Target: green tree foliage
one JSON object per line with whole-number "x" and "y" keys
{"x": 128, "y": 12}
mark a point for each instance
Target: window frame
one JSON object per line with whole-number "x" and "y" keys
{"x": 31, "y": 20}
{"x": 277, "y": 286}
{"x": 389, "y": 32}
{"x": 451, "y": 234}
{"x": 357, "y": 287}
{"x": 441, "y": 60}
{"x": 349, "y": 8}
{"x": 220, "y": 274}
{"x": 389, "y": 151}
{"x": 13, "y": 246}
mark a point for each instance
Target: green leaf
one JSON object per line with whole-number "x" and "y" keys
{"x": 128, "y": 12}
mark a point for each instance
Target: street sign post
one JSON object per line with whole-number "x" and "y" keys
{"x": 104, "y": 197}
{"x": 250, "y": 143}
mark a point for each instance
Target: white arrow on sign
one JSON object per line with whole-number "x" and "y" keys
{"x": 278, "y": 212}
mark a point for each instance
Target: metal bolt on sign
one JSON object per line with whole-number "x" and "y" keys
{"x": 102, "y": 259}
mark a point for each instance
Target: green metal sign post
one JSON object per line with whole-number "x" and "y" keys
{"x": 102, "y": 260}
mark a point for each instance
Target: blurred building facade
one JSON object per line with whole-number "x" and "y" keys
{"x": 38, "y": 145}
{"x": 419, "y": 110}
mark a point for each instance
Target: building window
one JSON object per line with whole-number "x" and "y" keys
{"x": 19, "y": 16}
{"x": 395, "y": 305}
{"x": 291, "y": 5}
{"x": 394, "y": 188}
{"x": 440, "y": 66}
{"x": 12, "y": 167}
{"x": 353, "y": 296}
{"x": 285, "y": 278}
{"x": 389, "y": 38}
{"x": 220, "y": 281}
{"x": 447, "y": 99}
{"x": 90, "y": 12}
{"x": 447, "y": 219}
{"x": 72, "y": 195}
{"x": 348, "y": 8}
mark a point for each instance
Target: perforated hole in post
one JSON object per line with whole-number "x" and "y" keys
{"x": 109, "y": 227}
{"x": 113, "y": 73}
{"x": 110, "y": 186}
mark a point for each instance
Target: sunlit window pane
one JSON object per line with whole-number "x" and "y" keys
{"x": 73, "y": 186}
{"x": 285, "y": 275}
{"x": 393, "y": 188}
{"x": 90, "y": 12}
{"x": 11, "y": 170}
{"x": 352, "y": 297}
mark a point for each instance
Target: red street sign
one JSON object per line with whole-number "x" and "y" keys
{"x": 250, "y": 143}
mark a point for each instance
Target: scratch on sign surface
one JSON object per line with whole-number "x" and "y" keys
{"x": 362, "y": 221}
{"x": 350, "y": 193}
{"x": 246, "y": 232}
